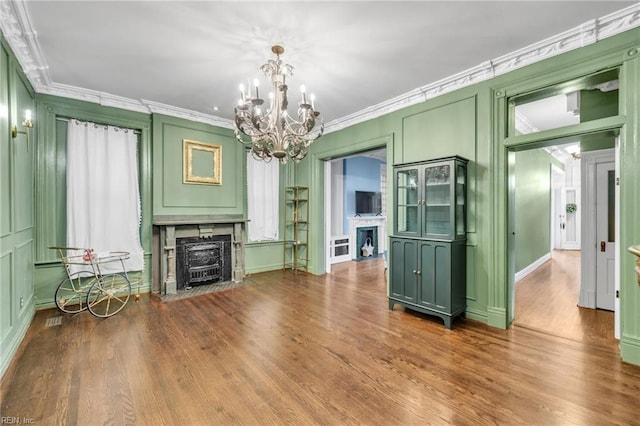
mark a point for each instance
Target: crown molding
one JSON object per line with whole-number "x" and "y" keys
{"x": 158, "y": 108}
{"x": 16, "y": 27}
{"x": 588, "y": 33}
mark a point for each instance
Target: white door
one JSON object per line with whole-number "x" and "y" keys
{"x": 571, "y": 225}
{"x": 605, "y": 234}
{"x": 557, "y": 208}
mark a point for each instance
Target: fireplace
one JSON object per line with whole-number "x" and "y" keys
{"x": 373, "y": 227}
{"x": 192, "y": 250}
{"x": 202, "y": 261}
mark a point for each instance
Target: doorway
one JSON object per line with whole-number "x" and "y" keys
{"x": 549, "y": 293}
{"x": 345, "y": 177}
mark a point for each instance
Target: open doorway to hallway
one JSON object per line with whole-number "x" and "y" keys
{"x": 550, "y": 230}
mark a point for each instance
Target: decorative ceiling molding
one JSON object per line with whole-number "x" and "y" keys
{"x": 16, "y": 26}
{"x": 580, "y": 36}
{"x": 158, "y": 108}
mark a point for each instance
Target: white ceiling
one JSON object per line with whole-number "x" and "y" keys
{"x": 353, "y": 55}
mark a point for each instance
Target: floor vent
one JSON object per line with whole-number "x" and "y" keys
{"x": 53, "y": 321}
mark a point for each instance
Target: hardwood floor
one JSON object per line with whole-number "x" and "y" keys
{"x": 300, "y": 349}
{"x": 547, "y": 300}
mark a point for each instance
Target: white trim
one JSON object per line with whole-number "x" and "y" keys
{"x": 328, "y": 242}
{"x": 15, "y": 24}
{"x": 531, "y": 268}
{"x": 380, "y": 222}
{"x": 588, "y": 162}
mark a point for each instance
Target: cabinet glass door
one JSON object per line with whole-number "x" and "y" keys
{"x": 438, "y": 200}
{"x": 407, "y": 201}
{"x": 461, "y": 196}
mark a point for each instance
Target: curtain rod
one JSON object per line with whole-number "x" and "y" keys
{"x": 67, "y": 119}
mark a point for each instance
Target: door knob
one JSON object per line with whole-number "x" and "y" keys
{"x": 603, "y": 246}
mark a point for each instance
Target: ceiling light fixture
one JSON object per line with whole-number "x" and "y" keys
{"x": 274, "y": 133}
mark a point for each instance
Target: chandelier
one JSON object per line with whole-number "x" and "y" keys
{"x": 273, "y": 132}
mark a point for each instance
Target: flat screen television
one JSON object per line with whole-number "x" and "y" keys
{"x": 368, "y": 202}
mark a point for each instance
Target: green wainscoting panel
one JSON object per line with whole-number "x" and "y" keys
{"x": 23, "y": 152}
{"x": 16, "y": 194}
{"x": 6, "y": 295}
{"x": 170, "y": 194}
{"x": 441, "y": 132}
{"x": 24, "y": 275}
{"x": 265, "y": 256}
{"x": 47, "y": 277}
{"x": 6, "y": 202}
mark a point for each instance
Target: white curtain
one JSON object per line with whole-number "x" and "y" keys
{"x": 103, "y": 199}
{"x": 263, "y": 183}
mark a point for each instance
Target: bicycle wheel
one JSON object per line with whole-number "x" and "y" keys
{"x": 108, "y": 295}
{"x": 71, "y": 294}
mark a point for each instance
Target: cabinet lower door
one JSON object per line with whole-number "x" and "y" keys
{"x": 403, "y": 265}
{"x": 435, "y": 275}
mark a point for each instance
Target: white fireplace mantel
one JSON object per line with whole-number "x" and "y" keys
{"x": 356, "y": 222}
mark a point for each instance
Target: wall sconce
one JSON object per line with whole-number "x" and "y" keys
{"x": 27, "y": 124}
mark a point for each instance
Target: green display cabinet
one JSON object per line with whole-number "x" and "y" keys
{"x": 427, "y": 254}
{"x": 430, "y": 199}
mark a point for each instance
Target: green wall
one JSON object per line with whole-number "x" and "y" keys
{"x": 171, "y": 196}
{"x": 16, "y": 208}
{"x": 532, "y": 206}
{"x": 473, "y": 122}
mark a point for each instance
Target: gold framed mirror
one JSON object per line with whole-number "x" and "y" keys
{"x": 201, "y": 163}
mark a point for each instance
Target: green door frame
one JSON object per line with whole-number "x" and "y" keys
{"x": 501, "y": 297}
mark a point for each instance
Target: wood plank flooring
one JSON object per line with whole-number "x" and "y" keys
{"x": 547, "y": 300}
{"x": 299, "y": 349}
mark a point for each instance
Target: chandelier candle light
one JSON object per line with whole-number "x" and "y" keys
{"x": 274, "y": 133}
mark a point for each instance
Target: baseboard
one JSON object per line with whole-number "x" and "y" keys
{"x": 531, "y": 268}
{"x": 476, "y": 315}
{"x": 630, "y": 350}
{"x": 497, "y": 317}
{"x": 266, "y": 268}
{"x": 9, "y": 351}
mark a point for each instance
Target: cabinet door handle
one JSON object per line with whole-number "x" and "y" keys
{"x": 418, "y": 272}
{"x": 414, "y": 271}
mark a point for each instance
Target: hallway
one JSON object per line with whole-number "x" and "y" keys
{"x": 546, "y": 300}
